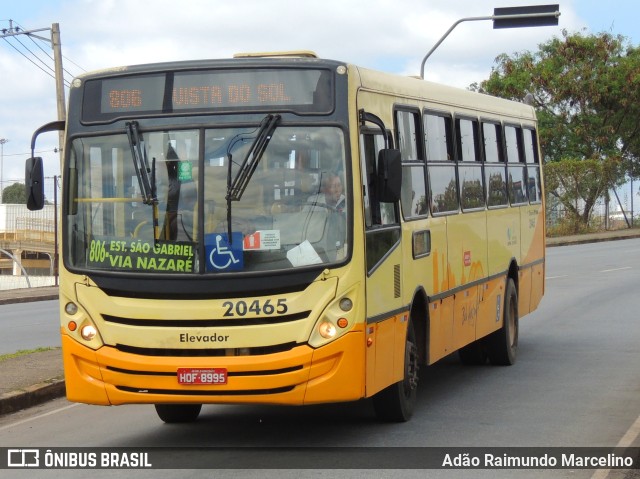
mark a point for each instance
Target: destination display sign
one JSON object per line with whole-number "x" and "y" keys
{"x": 136, "y": 255}
{"x": 300, "y": 90}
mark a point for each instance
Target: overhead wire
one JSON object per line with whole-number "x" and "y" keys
{"x": 28, "y": 59}
{"x": 38, "y": 62}
{"x": 49, "y": 54}
{"x": 33, "y": 54}
{"x": 28, "y": 153}
{"x": 73, "y": 63}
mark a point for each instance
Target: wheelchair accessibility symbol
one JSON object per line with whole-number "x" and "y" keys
{"x": 222, "y": 256}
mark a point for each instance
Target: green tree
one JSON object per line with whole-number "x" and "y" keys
{"x": 573, "y": 180}
{"x": 586, "y": 90}
{"x": 14, "y": 194}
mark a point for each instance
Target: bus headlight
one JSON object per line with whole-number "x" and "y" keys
{"x": 338, "y": 318}
{"x": 79, "y": 326}
{"x": 327, "y": 329}
{"x": 88, "y": 332}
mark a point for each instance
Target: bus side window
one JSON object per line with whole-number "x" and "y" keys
{"x": 530, "y": 146}
{"x": 516, "y": 168}
{"x": 414, "y": 192}
{"x": 406, "y": 131}
{"x": 438, "y": 136}
{"x": 379, "y": 240}
{"x": 494, "y": 169}
{"x": 377, "y": 213}
{"x": 469, "y": 165}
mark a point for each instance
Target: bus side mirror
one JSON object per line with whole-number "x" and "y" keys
{"x": 34, "y": 183}
{"x": 389, "y": 175}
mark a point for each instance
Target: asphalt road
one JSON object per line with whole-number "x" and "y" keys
{"x": 27, "y": 326}
{"x": 576, "y": 383}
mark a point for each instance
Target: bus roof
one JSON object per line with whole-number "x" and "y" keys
{"x": 243, "y": 60}
{"x": 438, "y": 94}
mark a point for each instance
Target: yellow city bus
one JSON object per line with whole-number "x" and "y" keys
{"x": 284, "y": 229}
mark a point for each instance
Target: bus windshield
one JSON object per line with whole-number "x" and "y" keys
{"x": 292, "y": 211}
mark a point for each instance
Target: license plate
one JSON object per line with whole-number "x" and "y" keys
{"x": 202, "y": 376}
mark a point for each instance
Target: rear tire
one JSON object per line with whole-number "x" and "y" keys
{"x": 397, "y": 402}
{"x": 502, "y": 345}
{"x": 177, "y": 413}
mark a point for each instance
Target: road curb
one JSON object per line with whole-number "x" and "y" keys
{"x": 29, "y": 299}
{"x": 592, "y": 238}
{"x": 24, "y": 295}
{"x": 31, "y": 396}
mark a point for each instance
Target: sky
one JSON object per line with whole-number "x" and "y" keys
{"x": 389, "y": 35}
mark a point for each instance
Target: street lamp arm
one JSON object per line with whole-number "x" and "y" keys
{"x": 467, "y": 19}
{"x": 516, "y": 16}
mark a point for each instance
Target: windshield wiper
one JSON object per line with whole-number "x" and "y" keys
{"x": 236, "y": 189}
{"x": 237, "y": 186}
{"x": 141, "y": 164}
{"x": 146, "y": 176}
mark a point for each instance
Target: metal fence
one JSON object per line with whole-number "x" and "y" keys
{"x": 622, "y": 210}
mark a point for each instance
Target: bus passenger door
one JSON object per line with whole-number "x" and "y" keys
{"x": 386, "y": 323}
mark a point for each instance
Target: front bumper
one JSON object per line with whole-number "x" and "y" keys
{"x": 302, "y": 375}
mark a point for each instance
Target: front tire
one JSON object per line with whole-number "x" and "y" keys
{"x": 178, "y": 413}
{"x": 502, "y": 345}
{"x": 397, "y": 402}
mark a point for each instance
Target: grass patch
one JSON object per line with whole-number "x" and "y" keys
{"x": 23, "y": 352}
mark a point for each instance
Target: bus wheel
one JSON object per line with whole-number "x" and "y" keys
{"x": 175, "y": 413}
{"x": 503, "y": 344}
{"x": 397, "y": 402}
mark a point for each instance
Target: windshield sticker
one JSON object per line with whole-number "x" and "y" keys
{"x": 185, "y": 171}
{"x": 262, "y": 240}
{"x": 136, "y": 255}
{"x": 222, "y": 256}
{"x": 303, "y": 255}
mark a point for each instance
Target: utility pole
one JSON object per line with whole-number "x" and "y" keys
{"x": 2, "y": 142}
{"x": 57, "y": 60}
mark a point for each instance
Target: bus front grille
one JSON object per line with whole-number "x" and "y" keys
{"x": 207, "y": 323}
{"x": 210, "y": 352}
{"x": 260, "y": 372}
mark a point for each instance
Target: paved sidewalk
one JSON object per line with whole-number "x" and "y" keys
{"x": 30, "y": 379}
{"x": 33, "y": 378}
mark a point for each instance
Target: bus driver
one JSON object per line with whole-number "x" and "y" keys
{"x": 331, "y": 193}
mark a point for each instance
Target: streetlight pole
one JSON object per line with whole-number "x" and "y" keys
{"x": 509, "y": 17}
{"x": 2, "y": 142}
